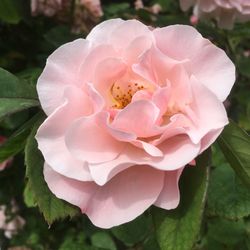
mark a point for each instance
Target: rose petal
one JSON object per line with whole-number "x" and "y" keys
{"x": 121, "y": 200}
{"x": 56, "y": 76}
{"x": 51, "y": 135}
{"x": 208, "y": 63}
{"x": 170, "y": 196}
{"x": 87, "y": 141}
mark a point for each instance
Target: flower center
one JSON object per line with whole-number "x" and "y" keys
{"x": 122, "y": 94}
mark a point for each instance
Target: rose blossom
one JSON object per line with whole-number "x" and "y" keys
{"x": 224, "y": 11}
{"x": 128, "y": 107}
{"x": 9, "y": 224}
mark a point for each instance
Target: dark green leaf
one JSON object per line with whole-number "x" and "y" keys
{"x": 235, "y": 145}
{"x": 15, "y": 95}
{"x": 226, "y": 231}
{"x": 178, "y": 229}
{"x": 227, "y": 197}
{"x": 134, "y": 231}
{"x": 103, "y": 240}
{"x": 9, "y": 106}
{"x": 16, "y": 142}
{"x": 12, "y": 87}
{"x": 29, "y": 198}
{"x": 51, "y": 207}
{"x": 10, "y": 11}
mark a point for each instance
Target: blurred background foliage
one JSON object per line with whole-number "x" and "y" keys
{"x": 25, "y": 43}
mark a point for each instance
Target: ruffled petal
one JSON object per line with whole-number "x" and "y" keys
{"x": 51, "y": 135}
{"x": 170, "y": 195}
{"x": 121, "y": 200}
{"x": 57, "y": 76}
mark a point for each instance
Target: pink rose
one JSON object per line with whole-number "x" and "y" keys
{"x": 8, "y": 223}
{"x": 128, "y": 107}
{"x": 226, "y": 12}
{"x": 45, "y": 7}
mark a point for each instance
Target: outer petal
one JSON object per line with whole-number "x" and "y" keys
{"x": 90, "y": 142}
{"x": 101, "y": 33}
{"x": 209, "y": 64}
{"x": 170, "y": 196}
{"x": 51, "y": 135}
{"x": 56, "y": 75}
{"x": 209, "y": 112}
{"x": 177, "y": 152}
{"x": 121, "y": 200}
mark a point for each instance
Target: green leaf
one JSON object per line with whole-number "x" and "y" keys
{"x": 51, "y": 207}
{"x": 10, "y": 11}
{"x": 9, "y": 106}
{"x": 227, "y": 197}
{"x": 244, "y": 66}
{"x": 16, "y": 142}
{"x": 235, "y": 145}
{"x": 29, "y": 198}
{"x": 103, "y": 240}
{"x": 178, "y": 229}
{"x": 134, "y": 231}
{"x": 227, "y": 232}
{"x": 15, "y": 95}
{"x": 12, "y": 87}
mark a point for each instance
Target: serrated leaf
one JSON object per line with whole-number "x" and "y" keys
{"x": 103, "y": 240}
{"x": 178, "y": 229}
{"x": 51, "y": 207}
{"x": 16, "y": 142}
{"x": 235, "y": 145}
{"x": 227, "y": 197}
{"x": 29, "y": 198}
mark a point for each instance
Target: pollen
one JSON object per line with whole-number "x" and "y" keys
{"x": 122, "y": 95}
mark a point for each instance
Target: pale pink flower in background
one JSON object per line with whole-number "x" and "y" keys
{"x": 194, "y": 20}
{"x": 156, "y": 8}
{"x": 10, "y": 224}
{"x": 226, "y": 12}
{"x": 128, "y": 108}
{"x": 45, "y": 7}
{"x": 7, "y": 162}
{"x": 93, "y": 6}
{"x": 138, "y": 4}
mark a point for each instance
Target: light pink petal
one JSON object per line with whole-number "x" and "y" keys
{"x": 131, "y": 155}
{"x": 73, "y": 191}
{"x": 100, "y": 33}
{"x": 127, "y": 32}
{"x": 88, "y": 141}
{"x": 131, "y": 118}
{"x": 121, "y": 200}
{"x": 97, "y": 54}
{"x": 208, "y": 63}
{"x": 125, "y": 197}
{"x": 106, "y": 73}
{"x": 56, "y": 75}
{"x": 51, "y": 135}
{"x": 154, "y": 66}
{"x": 136, "y": 48}
{"x": 149, "y": 148}
{"x": 210, "y": 113}
{"x": 170, "y": 195}
{"x": 210, "y": 138}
